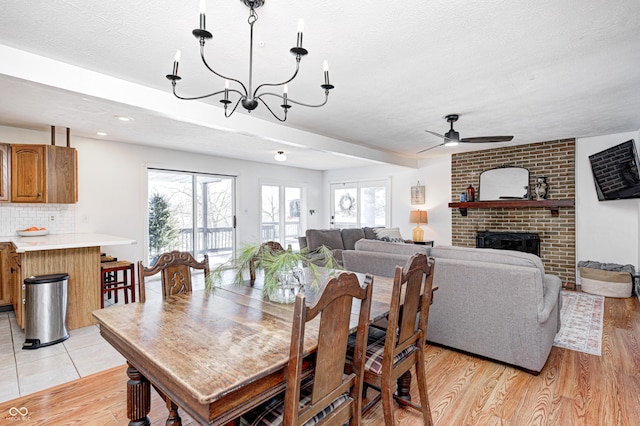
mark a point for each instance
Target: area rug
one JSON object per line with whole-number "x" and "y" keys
{"x": 581, "y": 317}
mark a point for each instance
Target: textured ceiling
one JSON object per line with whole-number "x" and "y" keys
{"x": 537, "y": 70}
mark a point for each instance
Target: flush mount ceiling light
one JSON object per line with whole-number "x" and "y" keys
{"x": 247, "y": 96}
{"x": 280, "y": 156}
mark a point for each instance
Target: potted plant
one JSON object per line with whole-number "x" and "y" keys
{"x": 283, "y": 269}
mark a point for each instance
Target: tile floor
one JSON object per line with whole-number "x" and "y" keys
{"x": 85, "y": 352}
{"x": 26, "y": 371}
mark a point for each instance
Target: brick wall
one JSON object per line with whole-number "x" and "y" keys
{"x": 553, "y": 159}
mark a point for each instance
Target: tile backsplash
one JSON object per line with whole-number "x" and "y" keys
{"x": 57, "y": 218}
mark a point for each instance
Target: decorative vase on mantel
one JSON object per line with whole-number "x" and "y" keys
{"x": 542, "y": 189}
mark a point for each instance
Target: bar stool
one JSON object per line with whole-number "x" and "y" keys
{"x": 109, "y": 280}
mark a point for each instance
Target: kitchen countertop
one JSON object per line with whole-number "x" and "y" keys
{"x": 64, "y": 241}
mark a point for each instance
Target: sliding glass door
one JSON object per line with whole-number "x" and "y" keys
{"x": 191, "y": 212}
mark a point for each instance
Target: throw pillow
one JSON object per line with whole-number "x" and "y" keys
{"x": 389, "y": 234}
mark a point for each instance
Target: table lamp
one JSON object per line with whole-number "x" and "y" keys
{"x": 418, "y": 217}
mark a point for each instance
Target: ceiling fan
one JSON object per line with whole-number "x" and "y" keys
{"x": 452, "y": 138}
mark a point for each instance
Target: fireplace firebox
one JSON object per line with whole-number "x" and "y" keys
{"x": 520, "y": 241}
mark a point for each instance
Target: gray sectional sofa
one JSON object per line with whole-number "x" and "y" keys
{"x": 337, "y": 240}
{"x": 498, "y": 304}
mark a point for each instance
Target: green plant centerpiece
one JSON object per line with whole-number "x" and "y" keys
{"x": 284, "y": 270}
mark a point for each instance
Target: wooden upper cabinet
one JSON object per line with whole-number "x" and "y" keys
{"x": 27, "y": 174}
{"x": 62, "y": 175}
{"x": 44, "y": 174}
{"x": 4, "y": 172}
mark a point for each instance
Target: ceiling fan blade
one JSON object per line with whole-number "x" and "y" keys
{"x": 425, "y": 150}
{"x": 484, "y": 139}
{"x": 438, "y": 135}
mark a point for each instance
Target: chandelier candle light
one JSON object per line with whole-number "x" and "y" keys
{"x": 247, "y": 96}
{"x": 418, "y": 217}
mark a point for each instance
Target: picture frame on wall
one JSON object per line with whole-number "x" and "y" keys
{"x": 417, "y": 194}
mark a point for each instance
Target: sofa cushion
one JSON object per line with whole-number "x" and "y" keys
{"x": 330, "y": 238}
{"x": 369, "y": 233}
{"x": 350, "y": 236}
{"x": 392, "y": 248}
{"x": 505, "y": 257}
{"x": 389, "y": 234}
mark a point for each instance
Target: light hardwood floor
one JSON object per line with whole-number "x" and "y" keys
{"x": 572, "y": 389}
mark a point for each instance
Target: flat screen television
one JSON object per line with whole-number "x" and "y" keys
{"x": 615, "y": 172}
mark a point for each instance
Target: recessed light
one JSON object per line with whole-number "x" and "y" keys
{"x": 101, "y": 133}
{"x": 124, "y": 118}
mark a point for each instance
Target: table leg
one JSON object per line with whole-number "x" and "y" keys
{"x": 174, "y": 418}
{"x": 138, "y": 398}
{"x": 404, "y": 386}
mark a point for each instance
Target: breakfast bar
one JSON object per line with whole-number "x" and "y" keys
{"x": 75, "y": 254}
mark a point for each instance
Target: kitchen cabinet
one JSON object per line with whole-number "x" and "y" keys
{"x": 15, "y": 281}
{"x": 44, "y": 174}
{"x": 4, "y": 172}
{"x": 5, "y": 274}
{"x": 83, "y": 290}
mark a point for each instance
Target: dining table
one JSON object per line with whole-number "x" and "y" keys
{"x": 215, "y": 354}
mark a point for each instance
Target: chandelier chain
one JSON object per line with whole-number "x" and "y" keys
{"x": 253, "y": 16}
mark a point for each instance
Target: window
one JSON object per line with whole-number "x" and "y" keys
{"x": 191, "y": 212}
{"x": 360, "y": 203}
{"x": 281, "y": 214}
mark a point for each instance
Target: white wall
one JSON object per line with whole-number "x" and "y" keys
{"x": 607, "y": 231}
{"x": 112, "y": 188}
{"x": 434, "y": 175}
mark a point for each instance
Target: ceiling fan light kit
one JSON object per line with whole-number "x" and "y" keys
{"x": 452, "y": 137}
{"x": 248, "y": 97}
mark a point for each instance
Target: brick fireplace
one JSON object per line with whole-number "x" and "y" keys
{"x": 553, "y": 159}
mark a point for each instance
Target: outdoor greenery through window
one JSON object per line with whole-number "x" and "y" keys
{"x": 281, "y": 214}
{"x": 191, "y": 212}
{"x": 360, "y": 203}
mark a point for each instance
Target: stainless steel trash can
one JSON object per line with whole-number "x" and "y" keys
{"x": 45, "y": 310}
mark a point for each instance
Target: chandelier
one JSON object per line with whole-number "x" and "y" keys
{"x": 247, "y": 96}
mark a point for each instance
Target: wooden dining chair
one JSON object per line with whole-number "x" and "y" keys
{"x": 391, "y": 353}
{"x": 273, "y": 246}
{"x": 175, "y": 272}
{"x": 327, "y": 396}
{"x": 175, "y": 269}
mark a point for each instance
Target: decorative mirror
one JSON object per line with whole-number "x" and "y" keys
{"x": 504, "y": 183}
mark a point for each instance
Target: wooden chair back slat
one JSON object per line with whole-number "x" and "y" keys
{"x": 331, "y": 356}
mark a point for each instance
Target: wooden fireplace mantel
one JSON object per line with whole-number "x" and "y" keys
{"x": 552, "y": 205}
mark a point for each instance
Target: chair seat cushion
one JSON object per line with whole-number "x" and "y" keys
{"x": 375, "y": 350}
{"x": 272, "y": 411}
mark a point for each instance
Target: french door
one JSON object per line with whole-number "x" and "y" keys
{"x": 191, "y": 212}
{"x": 281, "y": 214}
{"x": 360, "y": 203}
